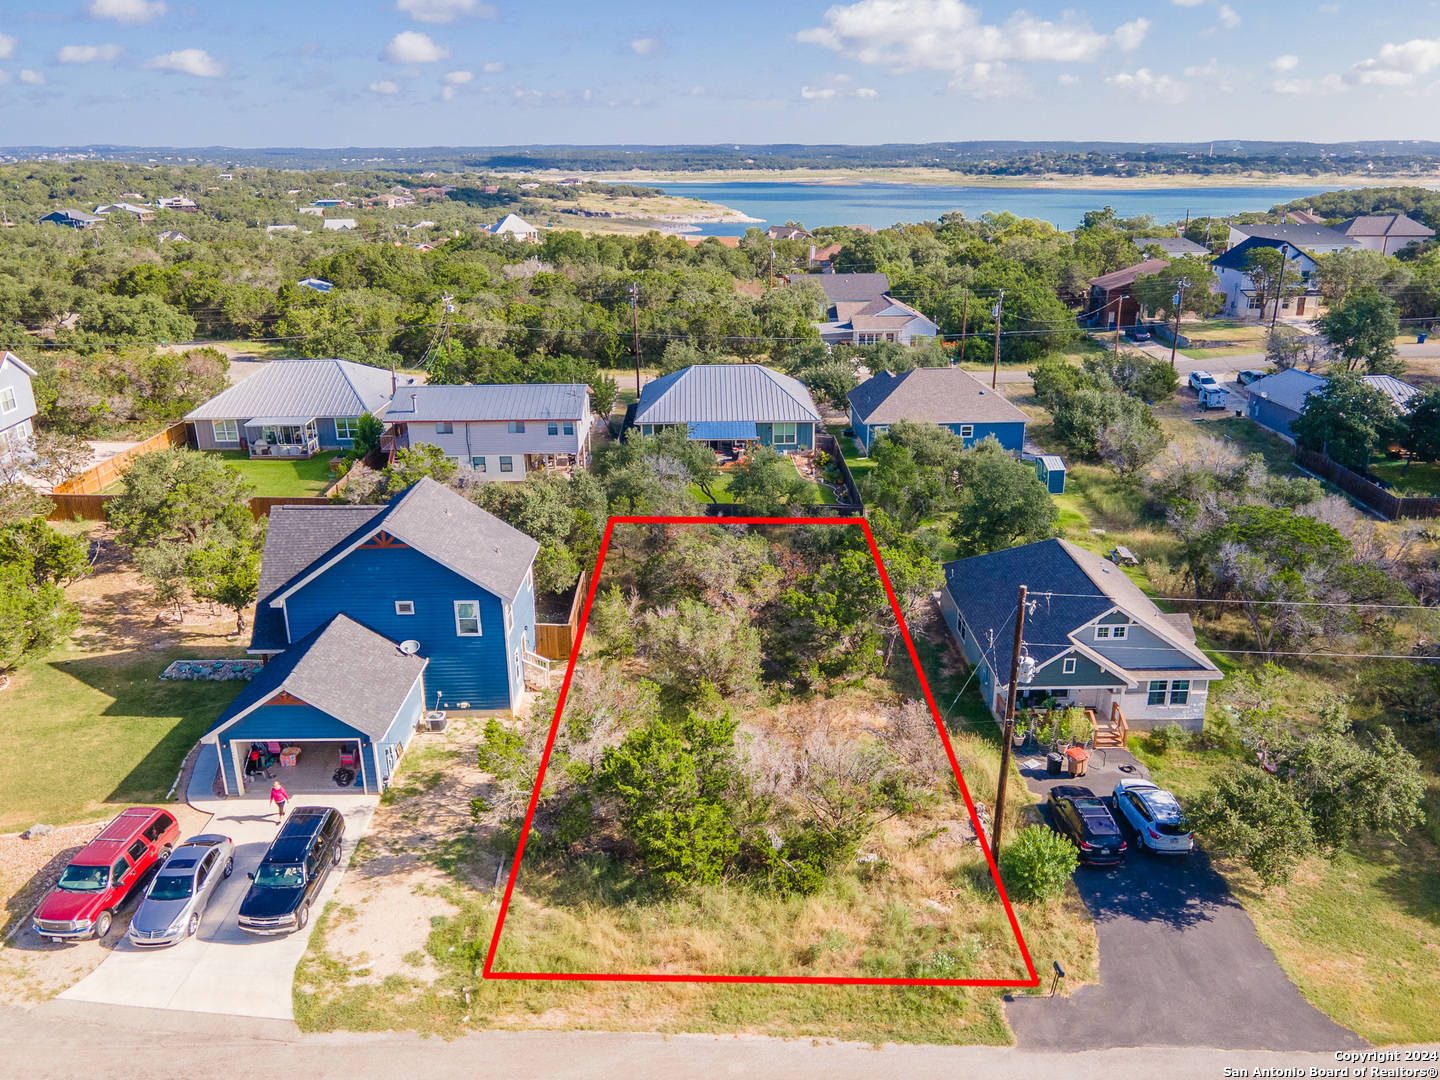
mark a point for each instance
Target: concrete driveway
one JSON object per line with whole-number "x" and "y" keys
{"x": 221, "y": 969}
{"x": 1180, "y": 962}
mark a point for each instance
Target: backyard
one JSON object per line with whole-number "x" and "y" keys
{"x": 273, "y": 477}
{"x": 1420, "y": 480}
{"x": 818, "y": 493}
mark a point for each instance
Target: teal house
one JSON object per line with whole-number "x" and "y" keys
{"x": 947, "y": 396}
{"x": 729, "y": 405}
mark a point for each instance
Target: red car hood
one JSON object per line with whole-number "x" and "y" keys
{"x": 63, "y": 906}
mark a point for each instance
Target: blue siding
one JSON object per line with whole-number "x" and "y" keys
{"x": 283, "y": 723}
{"x": 1271, "y": 415}
{"x": 1011, "y": 436}
{"x": 522, "y": 634}
{"x": 804, "y": 436}
{"x": 397, "y": 738}
{"x": 365, "y": 585}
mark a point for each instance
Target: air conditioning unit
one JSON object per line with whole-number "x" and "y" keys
{"x": 435, "y": 721}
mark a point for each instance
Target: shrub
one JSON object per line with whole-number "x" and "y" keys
{"x": 1252, "y": 817}
{"x": 1169, "y": 737}
{"x": 1037, "y": 864}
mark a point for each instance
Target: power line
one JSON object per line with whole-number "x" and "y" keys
{"x": 1281, "y": 603}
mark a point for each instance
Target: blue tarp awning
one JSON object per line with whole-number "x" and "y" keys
{"x": 723, "y": 430}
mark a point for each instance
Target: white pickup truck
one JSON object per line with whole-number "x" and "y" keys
{"x": 1208, "y": 389}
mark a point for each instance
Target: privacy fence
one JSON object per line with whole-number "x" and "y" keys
{"x": 1384, "y": 503}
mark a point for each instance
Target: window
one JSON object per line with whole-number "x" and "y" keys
{"x": 507, "y": 464}
{"x": 119, "y": 870}
{"x": 226, "y": 430}
{"x": 1118, "y": 632}
{"x": 517, "y": 427}
{"x": 7, "y": 400}
{"x": 1254, "y": 303}
{"x": 136, "y": 851}
{"x": 1180, "y": 692}
{"x": 347, "y": 427}
{"x": 1114, "y": 633}
{"x": 1101, "y": 633}
{"x": 206, "y": 866}
{"x": 1068, "y": 667}
{"x": 444, "y": 427}
{"x": 404, "y": 607}
{"x": 157, "y": 828}
{"x": 569, "y": 427}
{"x": 467, "y": 618}
{"x": 784, "y": 434}
{"x": 479, "y": 463}
{"x": 552, "y": 428}
{"x": 967, "y": 431}
{"x": 1157, "y": 692}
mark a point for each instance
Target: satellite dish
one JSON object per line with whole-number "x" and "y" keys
{"x": 410, "y": 647}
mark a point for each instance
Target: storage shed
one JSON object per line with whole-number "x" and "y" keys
{"x": 1051, "y": 471}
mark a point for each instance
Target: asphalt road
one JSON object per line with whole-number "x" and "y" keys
{"x": 1180, "y": 962}
{"x": 64, "y": 1040}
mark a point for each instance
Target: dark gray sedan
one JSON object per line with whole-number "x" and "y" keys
{"x": 176, "y": 899}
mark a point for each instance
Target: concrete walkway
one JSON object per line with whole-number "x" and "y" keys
{"x": 1180, "y": 962}
{"x": 221, "y": 969}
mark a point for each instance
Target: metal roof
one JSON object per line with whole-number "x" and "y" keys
{"x": 723, "y": 430}
{"x": 1127, "y": 275}
{"x": 343, "y": 669}
{"x": 1172, "y": 246}
{"x": 278, "y": 421}
{"x": 1052, "y": 463}
{"x": 293, "y": 387}
{"x": 1288, "y": 388}
{"x": 518, "y": 401}
{"x": 1398, "y": 391}
{"x": 945, "y": 395}
{"x": 725, "y": 392}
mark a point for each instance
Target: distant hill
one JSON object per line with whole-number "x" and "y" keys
{"x": 997, "y": 158}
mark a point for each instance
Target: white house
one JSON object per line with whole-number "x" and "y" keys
{"x": 17, "y": 406}
{"x": 1241, "y": 298}
{"x": 516, "y": 227}
{"x": 341, "y": 224}
{"x": 503, "y": 432}
{"x": 1385, "y": 233}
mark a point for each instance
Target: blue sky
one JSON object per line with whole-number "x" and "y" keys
{"x": 472, "y": 72}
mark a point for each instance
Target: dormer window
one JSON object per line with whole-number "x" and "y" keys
{"x": 404, "y": 607}
{"x": 1113, "y": 633}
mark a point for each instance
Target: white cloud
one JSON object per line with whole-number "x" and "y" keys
{"x": 7, "y": 46}
{"x": 1187, "y": 3}
{"x": 1131, "y": 34}
{"x": 1068, "y": 80}
{"x": 493, "y": 67}
{"x": 947, "y": 35}
{"x": 413, "y": 47}
{"x": 810, "y": 93}
{"x": 1330, "y": 84}
{"x": 32, "y": 78}
{"x": 866, "y": 93}
{"x": 1398, "y": 65}
{"x": 384, "y": 86}
{"x": 1150, "y": 87}
{"x": 1329, "y": 9}
{"x": 647, "y": 46}
{"x": 444, "y": 11}
{"x": 1229, "y": 18}
{"x": 128, "y": 12}
{"x": 87, "y": 54}
{"x": 195, "y": 62}
{"x": 1288, "y": 62}
{"x": 459, "y": 78}
{"x": 1209, "y": 71}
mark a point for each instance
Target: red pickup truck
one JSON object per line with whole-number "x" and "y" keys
{"x": 104, "y": 872}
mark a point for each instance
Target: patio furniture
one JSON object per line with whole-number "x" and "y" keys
{"x": 289, "y": 757}
{"x": 1123, "y": 556}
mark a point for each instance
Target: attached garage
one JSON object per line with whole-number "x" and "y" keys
{"x": 343, "y": 696}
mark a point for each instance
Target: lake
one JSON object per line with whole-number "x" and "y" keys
{"x": 882, "y": 205}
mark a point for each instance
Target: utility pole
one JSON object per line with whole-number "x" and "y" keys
{"x": 1175, "y": 340}
{"x": 635, "y": 321}
{"x": 1009, "y": 727}
{"x": 964, "y": 323}
{"x": 997, "y": 310}
{"x": 1119, "y": 304}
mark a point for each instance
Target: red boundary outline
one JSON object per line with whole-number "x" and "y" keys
{"x": 489, "y": 972}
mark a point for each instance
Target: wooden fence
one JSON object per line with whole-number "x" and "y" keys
{"x": 828, "y": 444}
{"x": 104, "y": 473}
{"x": 835, "y": 510}
{"x": 92, "y": 507}
{"x": 1384, "y": 503}
{"x": 555, "y": 640}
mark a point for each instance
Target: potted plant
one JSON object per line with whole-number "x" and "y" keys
{"x": 1065, "y": 725}
{"x": 1020, "y": 733}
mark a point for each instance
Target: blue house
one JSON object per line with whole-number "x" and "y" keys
{"x": 429, "y": 571}
{"x": 949, "y": 397}
{"x": 293, "y": 408}
{"x": 729, "y": 404}
{"x": 1278, "y": 400}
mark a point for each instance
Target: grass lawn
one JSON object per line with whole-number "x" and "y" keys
{"x": 85, "y": 735}
{"x": 859, "y": 464}
{"x": 819, "y": 493}
{"x": 1420, "y": 480}
{"x": 282, "y": 476}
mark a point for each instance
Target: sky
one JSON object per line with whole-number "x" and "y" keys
{"x": 326, "y": 73}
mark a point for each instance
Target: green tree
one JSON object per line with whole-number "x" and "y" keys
{"x": 1130, "y": 441}
{"x": 225, "y": 569}
{"x": 1157, "y": 292}
{"x": 1002, "y": 504}
{"x": 766, "y": 482}
{"x": 689, "y": 646}
{"x": 556, "y": 568}
{"x": 1138, "y": 374}
{"x": 1272, "y": 277}
{"x": 165, "y": 564}
{"x": 368, "y": 430}
{"x": 1362, "y": 329}
{"x": 1250, "y": 816}
{"x": 47, "y": 556}
{"x": 1348, "y": 419}
{"x": 827, "y": 625}
{"x": 413, "y": 464}
{"x": 173, "y": 492}
{"x": 1420, "y": 427}
{"x": 35, "y": 617}
{"x": 1036, "y": 865}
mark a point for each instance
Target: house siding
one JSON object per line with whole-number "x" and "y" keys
{"x": 15, "y": 425}
{"x": 1051, "y": 675}
{"x": 1272, "y": 415}
{"x": 464, "y": 672}
{"x": 324, "y": 429}
{"x": 804, "y": 436}
{"x": 1011, "y": 435}
{"x": 493, "y": 439}
{"x": 390, "y": 747}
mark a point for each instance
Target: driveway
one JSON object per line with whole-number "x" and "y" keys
{"x": 221, "y": 969}
{"x": 1180, "y": 962}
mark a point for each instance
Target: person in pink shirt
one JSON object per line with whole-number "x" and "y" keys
{"x": 279, "y": 796}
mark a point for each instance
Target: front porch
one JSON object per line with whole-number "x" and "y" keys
{"x": 282, "y": 436}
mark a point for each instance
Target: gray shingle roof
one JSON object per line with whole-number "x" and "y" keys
{"x": 848, "y": 286}
{"x": 343, "y": 669}
{"x": 1383, "y": 225}
{"x": 1288, "y": 388}
{"x": 1235, "y": 258}
{"x": 528, "y": 401}
{"x": 725, "y": 392}
{"x": 1303, "y": 236}
{"x": 291, "y": 387}
{"x": 936, "y": 395}
{"x": 1172, "y": 246}
{"x": 1082, "y": 587}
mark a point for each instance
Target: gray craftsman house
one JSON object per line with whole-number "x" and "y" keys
{"x": 1100, "y": 642}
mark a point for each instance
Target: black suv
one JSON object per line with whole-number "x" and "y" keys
{"x": 292, "y": 871}
{"x": 1077, "y": 813}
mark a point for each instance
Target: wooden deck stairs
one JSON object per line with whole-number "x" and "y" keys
{"x": 1112, "y": 732}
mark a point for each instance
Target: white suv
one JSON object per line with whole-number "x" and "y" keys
{"x": 1156, "y": 817}
{"x": 1203, "y": 380}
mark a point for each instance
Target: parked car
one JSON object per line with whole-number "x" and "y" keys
{"x": 293, "y": 871}
{"x": 104, "y": 873}
{"x": 1079, "y": 814}
{"x": 181, "y": 890}
{"x": 1249, "y": 375}
{"x": 1203, "y": 380}
{"x": 1155, "y": 815}
{"x": 1138, "y": 333}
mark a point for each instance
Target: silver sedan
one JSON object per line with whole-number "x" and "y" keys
{"x": 176, "y": 899}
